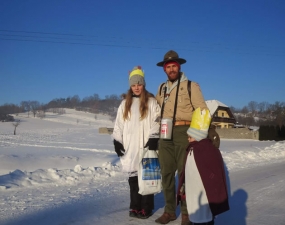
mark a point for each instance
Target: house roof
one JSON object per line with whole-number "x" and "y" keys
{"x": 213, "y": 105}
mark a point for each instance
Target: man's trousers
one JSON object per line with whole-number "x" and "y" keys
{"x": 171, "y": 158}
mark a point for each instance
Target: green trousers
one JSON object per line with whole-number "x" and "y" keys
{"x": 171, "y": 158}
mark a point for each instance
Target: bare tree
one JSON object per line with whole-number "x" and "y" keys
{"x": 35, "y": 105}
{"x": 252, "y": 106}
{"x": 279, "y": 112}
{"x": 26, "y": 106}
{"x": 75, "y": 100}
{"x": 244, "y": 110}
{"x": 16, "y": 124}
{"x": 262, "y": 107}
{"x": 234, "y": 110}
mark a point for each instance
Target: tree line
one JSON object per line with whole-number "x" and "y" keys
{"x": 91, "y": 104}
{"x": 253, "y": 114}
{"x": 263, "y": 113}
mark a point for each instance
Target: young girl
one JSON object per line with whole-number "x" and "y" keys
{"x": 136, "y": 127}
{"x": 203, "y": 180}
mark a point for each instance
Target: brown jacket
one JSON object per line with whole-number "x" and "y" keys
{"x": 184, "y": 108}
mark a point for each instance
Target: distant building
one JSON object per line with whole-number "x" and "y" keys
{"x": 6, "y": 118}
{"x": 222, "y": 117}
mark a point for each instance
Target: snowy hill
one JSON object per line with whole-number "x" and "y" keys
{"x": 60, "y": 170}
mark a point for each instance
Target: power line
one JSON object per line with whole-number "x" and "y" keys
{"x": 36, "y": 32}
{"x": 213, "y": 48}
{"x": 75, "y": 43}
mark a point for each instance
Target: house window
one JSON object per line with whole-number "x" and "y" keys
{"x": 223, "y": 114}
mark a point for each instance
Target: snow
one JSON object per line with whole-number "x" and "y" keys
{"x": 214, "y": 104}
{"x": 60, "y": 170}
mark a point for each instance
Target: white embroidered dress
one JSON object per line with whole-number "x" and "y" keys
{"x": 198, "y": 207}
{"x": 134, "y": 133}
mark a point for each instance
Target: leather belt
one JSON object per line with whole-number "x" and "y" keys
{"x": 182, "y": 122}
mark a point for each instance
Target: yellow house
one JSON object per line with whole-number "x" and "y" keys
{"x": 222, "y": 117}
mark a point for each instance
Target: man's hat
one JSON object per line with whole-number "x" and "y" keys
{"x": 171, "y": 56}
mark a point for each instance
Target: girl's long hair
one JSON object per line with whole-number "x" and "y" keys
{"x": 145, "y": 95}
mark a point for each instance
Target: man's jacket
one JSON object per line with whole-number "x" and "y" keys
{"x": 184, "y": 106}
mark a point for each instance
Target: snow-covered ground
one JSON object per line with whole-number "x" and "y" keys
{"x": 60, "y": 170}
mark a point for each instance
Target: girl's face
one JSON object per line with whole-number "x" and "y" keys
{"x": 137, "y": 89}
{"x": 190, "y": 139}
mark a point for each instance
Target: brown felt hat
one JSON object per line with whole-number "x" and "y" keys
{"x": 171, "y": 56}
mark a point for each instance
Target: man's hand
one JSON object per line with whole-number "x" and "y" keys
{"x": 119, "y": 148}
{"x": 152, "y": 143}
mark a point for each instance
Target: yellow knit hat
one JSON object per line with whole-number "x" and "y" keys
{"x": 136, "y": 76}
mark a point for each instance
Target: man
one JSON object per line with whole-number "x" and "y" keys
{"x": 176, "y": 104}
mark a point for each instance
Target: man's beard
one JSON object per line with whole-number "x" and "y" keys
{"x": 173, "y": 76}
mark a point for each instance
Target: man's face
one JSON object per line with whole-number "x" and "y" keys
{"x": 172, "y": 71}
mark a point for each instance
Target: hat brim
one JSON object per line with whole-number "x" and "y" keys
{"x": 179, "y": 60}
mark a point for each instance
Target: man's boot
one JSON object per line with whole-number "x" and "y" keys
{"x": 185, "y": 219}
{"x": 166, "y": 218}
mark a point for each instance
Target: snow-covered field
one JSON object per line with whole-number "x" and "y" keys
{"x": 60, "y": 170}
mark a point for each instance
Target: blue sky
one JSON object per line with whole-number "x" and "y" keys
{"x": 52, "y": 49}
